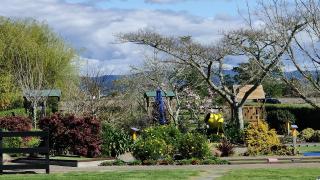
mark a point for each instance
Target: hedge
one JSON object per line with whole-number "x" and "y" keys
{"x": 306, "y": 116}
{"x": 78, "y": 135}
{"x": 15, "y": 123}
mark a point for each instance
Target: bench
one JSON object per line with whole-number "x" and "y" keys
{"x": 43, "y": 150}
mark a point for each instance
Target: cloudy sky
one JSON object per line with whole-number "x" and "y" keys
{"x": 90, "y": 25}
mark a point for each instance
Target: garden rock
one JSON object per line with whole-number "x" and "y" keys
{"x": 127, "y": 157}
{"x": 216, "y": 152}
{"x": 6, "y": 158}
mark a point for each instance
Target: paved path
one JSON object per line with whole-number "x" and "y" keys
{"x": 61, "y": 169}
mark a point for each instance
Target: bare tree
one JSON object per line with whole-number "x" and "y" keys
{"x": 84, "y": 97}
{"x": 264, "y": 45}
{"x": 30, "y": 77}
{"x": 303, "y": 52}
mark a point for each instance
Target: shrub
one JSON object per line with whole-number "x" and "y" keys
{"x": 31, "y": 142}
{"x": 15, "y": 123}
{"x": 195, "y": 161}
{"x": 213, "y": 160}
{"x": 307, "y": 134}
{"x": 150, "y": 149}
{"x": 57, "y": 133}
{"x": 78, "y": 135}
{"x": 208, "y": 162}
{"x": 316, "y": 136}
{"x": 12, "y": 142}
{"x": 277, "y": 119}
{"x": 306, "y": 116}
{"x": 193, "y": 146}
{"x": 156, "y": 142}
{"x": 226, "y": 148}
{"x": 135, "y": 163}
{"x": 215, "y": 138}
{"x": 260, "y": 139}
{"x": 149, "y": 162}
{"x": 166, "y": 161}
{"x": 169, "y": 133}
{"x": 106, "y": 163}
{"x": 282, "y": 150}
{"x": 184, "y": 162}
{"x": 118, "y": 162}
{"x": 18, "y": 123}
{"x": 164, "y": 141}
{"x": 233, "y": 134}
{"x": 114, "y": 141}
{"x": 84, "y": 134}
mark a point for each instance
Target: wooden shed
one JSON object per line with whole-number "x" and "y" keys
{"x": 52, "y": 95}
{"x": 251, "y": 113}
{"x": 255, "y": 95}
{"x": 150, "y": 96}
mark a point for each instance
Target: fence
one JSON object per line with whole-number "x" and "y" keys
{"x": 253, "y": 113}
{"x": 42, "y": 150}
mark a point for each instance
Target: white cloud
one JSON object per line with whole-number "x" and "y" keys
{"x": 171, "y": 1}
{"x": 93, "y": 29}
{"x": 163, "y": 1}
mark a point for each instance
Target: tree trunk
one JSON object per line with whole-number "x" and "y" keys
{"x": 34, "y": 115}
{"x": 237, "y": 116}
{"x": 176, "y": 117}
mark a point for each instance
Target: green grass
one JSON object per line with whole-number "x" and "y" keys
{"x": 18, "y": 112}
{"x": 121, "y": 175}
{"x": 303, "y": 149}
{"x": 267, "y": 174}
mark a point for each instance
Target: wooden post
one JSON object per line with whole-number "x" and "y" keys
{"x": 48, "y": 152}
{"x": 294, "y": 145}
{"x": 288, "y": 127}
{"x": 45, "y": 108}
{"x": 1, "y": 153}
{"x": 294, "y": 138}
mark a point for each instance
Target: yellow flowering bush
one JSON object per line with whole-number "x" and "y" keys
{"x": 169, "y": 133}
{"x": 259, "y": 138}
{"x": 156, "y": 142}
{"x": 193, "y": 145}
{"x": 151, "y": 149}
{"x": 162, "y": 142}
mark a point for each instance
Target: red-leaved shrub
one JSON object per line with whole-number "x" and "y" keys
{"x": 15, "y": 123}
{"x": 78, "y": 135}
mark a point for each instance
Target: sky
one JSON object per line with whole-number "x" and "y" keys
{"x": 90, "y": 26}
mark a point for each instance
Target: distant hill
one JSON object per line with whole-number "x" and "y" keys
{"x": 108, "y": 80}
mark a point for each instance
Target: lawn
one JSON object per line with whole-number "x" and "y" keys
{"x": 121, "y": 175}
{"x": 303, "y": 149}
{"x": 261, "y": 174}
{"x": 17, "y": 112}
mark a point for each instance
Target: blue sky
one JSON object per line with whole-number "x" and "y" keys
{"x": 203, "y": 8}
{"x": 90, "y": 25}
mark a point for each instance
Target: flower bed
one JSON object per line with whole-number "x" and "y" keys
{"x": 209, "y": 161}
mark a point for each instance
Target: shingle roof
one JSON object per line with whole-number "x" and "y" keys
{"x": 256, "y": 94}
{"x": 44, "y": 93}
{"x": 163, "y": 93}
